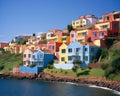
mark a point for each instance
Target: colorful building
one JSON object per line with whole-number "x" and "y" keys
{"x": 35, "y": 60}
{"x": 85, "y": 21}
{"x": 81, "y": 34}
{"x": 3, "y": 44}
{"x": 53, "y": 47}
{"x": 73, "y": 36}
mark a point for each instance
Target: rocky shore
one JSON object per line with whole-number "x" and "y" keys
{"x": 102, "y": 82}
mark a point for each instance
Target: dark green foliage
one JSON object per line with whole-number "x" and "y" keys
{"x": 115, "y": 64}
{"x": 32, "y": 65}
{"x": 104, "y": 66}
{"x": 21, "y": 42}
{"x": 103, "y": 52}
{"x": 109, "y": 42}
{"x": 50, "y": 65}
{"x": 34, "y": 34}
{"x": 1, "y": 67}
{"x": 76, "y": 66}
{"x": 69, "y": 27}
{"x": 2, "y": 50}
{"x": 114, "y": 68}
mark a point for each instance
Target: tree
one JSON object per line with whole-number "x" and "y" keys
{"x": 109, "y": 42}
{"x": 34, "y": 34}
{"x": 69, "y": 27}
{"x": 76, "y": 66}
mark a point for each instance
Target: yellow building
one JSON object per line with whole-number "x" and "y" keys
{"x": 76, "y": 23}
{"x": 66, "y": 39}
{"x": 55, "y": 38}
{"x": 80, "y": 37}
{"x": 63, "y": 54}
{"x": 103, "y": 26}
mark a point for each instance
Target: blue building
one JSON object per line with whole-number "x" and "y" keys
{"x": 34, "y": 61}
{"x": 84, "y": 52}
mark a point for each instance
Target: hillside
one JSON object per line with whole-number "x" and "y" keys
{"x": 9, "y": 61}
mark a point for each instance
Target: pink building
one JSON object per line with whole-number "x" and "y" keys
{"x": 72, "y": 36}
{"x": 53, "y": 47}
{"x": 3, "y": 44}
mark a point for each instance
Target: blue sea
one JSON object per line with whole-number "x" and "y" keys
{"x": 11, "y": 87}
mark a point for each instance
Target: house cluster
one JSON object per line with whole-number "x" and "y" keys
{"x": 63, "y": 46}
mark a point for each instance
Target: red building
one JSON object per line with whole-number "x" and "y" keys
{"x": 53, "y": 47}
{"x": 104, "y": 29}
{"x": 3, "y": 44}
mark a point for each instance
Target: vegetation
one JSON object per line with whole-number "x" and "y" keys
{"x": 76, "y": 66}
{"x": 80, "y": 72}
{"x": 9, "y": 61}
{"x": 70, "y": 28}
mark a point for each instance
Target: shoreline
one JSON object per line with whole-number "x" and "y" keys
{"x": 93, "y": 81}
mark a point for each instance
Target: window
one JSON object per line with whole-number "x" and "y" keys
{"x": 95, "y": 34}
{"x": 53, "y": 47}
{"x": 28, "y": 62}
{"x": 29, "y": 55}
{"x": 116, "y": 25}
{"x": 116, "y": 16}
{"x": 33, "y": 56}
{"x": 77, "y": 49}
{"x": 86, "y": 58}
{"x": 69, "y": 58}
{"x": 106, "y": 18}
{"x": 92, "y": 49}
{"x": 24, "y": 62}
{"x": 77, "y": 22}
{"x": 24, "y": 55}
{"x": 41, "y": 56}
{"x": 84, "y": 33}
{"x": 86, "y": 49}
{"x": 78, "y": 57}
{"x": 63, "y": 39}
{"x": 105, "y": 26}
{"x": 72, "y": 35}
{"x": 63, "y": 51}
{"x": 62, "y": 59}
{"x": 70, "y": 50}
{"x": 102, "y": 34}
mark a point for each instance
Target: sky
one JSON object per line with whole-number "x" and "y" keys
{"x": 25, "y": 17}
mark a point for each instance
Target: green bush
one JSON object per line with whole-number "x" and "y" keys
{"x": 104, "y": 66}
{"x": 1, "y": 67}
{"x": 32, "y": 65}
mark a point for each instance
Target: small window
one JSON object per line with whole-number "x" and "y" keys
{"x": 116, "y": 16}
{"x": 33, "y": 56}
{"x": 116, "y": 25}
{"x": 77, "y": 49}
{"x": 41, "y": 56}
{"x": 72, "y": 35}
{"x": 52, "y": 47}
{"x": 86, "y": 58}
{"x": 62, "y": 59}
{"x": 84, "y": 33}
{"x": 105, "y": 26}
{"x": 70, "y": 50}
{"x": 29, "y": 55}
{"x": 106, "y": 18}
{"x": 24, "y": 55}
{"x": 63, "y": 39}
{"x": 24, "y": 62}
{"x": 92, "y": 49}
{"x": 86, "y": 49}
{"x": 69, "y": 58}
{"x": 28, "y": 62}
{"x": 95, "y": 34}
{"x": 63, "y": 51}
{"x": 102, "y": 34}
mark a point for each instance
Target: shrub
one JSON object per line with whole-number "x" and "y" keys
{"x": 32, "y": 65}
{"x": 104, "y": 66}
{"x": 1, "y": 67}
